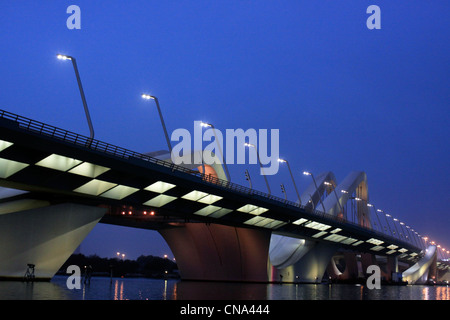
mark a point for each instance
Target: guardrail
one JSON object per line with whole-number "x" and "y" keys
{"x": 116, "y": 151}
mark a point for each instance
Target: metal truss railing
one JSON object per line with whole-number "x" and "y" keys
{"x": 120, "y": 152}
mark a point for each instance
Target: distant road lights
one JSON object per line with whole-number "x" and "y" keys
{"x": 80, "y": 87}
{"x": 260, "y": 165}
{"x": 149, "y": 97}
{"x": 292, "y": 177}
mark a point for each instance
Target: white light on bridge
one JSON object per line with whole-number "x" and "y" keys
{"x": 252, "y": 209}
{"x": 206, "y": 211}
{"x": 220, "y": 213}
{"x": 319, "y": 234}
{"x": 89, "y": 170}
{"x": 391, "y": 252}
{"x": 374, "y": 241}
{"x": 9, "y": 167}
{"x": 300, "y": 221}
{"x": 160, "y": 187}
{"x": 58, "y": 162}
{"x": 392, "y": 246}
{"x": 5, "y": 144}
{"x": 210, "y": 199}
{"x": 119, "y": 192}
{"x": 317, "y": 226}
{"x": 95, "y": 187}
{"x": 159, "y": 201}
{"x": 349, "y": 241}
{"x": 377, "y": 248}
{"x": 265, "y": 222}
{"x": 195, "y": 195}
{"x": 335, "y": 238}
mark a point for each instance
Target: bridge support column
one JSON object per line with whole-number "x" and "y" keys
{"x": 420, "y": 272}
{"x": 308, "y": 269}
{"x": 31, "y": 232}
{"x": 219, "y": 253}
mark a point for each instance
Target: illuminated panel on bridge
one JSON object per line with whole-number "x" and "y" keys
{"x": 89, "y": 170}
{"x": 4, "y": 144}
{"x": 159, "y": 201}
{"x": 374, "y": 241}
{"x": 269, "y": 223}
{"x": 300, "y": 221}
{"x": 317, "y": 226}
{"x": 206, "y": 211}
{"x": 58, "y": 162}
{"x": 10, "y": 167}
{"x": 119, "y": 192}
{"x": 252, "y": 209}
{"x": 160, "y": 187}
{"x": 319, "y": 234}
{"x": 95, "y": 187}
{"x": 202, "y": 197}
{"x": 335, "y": 238}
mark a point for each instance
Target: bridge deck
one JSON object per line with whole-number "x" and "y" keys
{"x": 59, "y": 165}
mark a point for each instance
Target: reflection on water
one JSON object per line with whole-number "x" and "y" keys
{"x": 152, "y": 289}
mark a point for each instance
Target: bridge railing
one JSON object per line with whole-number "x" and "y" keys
{"x": 116, "y": 151}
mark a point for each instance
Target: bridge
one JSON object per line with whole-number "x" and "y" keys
{"x": 56, "y": 185}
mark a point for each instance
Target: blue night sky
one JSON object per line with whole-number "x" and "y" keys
{"x": 344, "y": 97}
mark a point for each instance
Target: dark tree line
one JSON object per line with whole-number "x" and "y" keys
{"x": 143, "y": 266}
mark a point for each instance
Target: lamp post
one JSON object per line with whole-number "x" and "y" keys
{"x": 293, "y": 181}
{"x": 378, "y": 218}
{"x": 259, "y": 161}
{"x": 222, "y": 159}
{"x": 306, "y": 173}
{"x": 148, "y": 97}
{"x": 83, "y": 98}
{"x": 395, "y": 219}
{"x": 387, "y": 222}
{"x": 334, "y": 190}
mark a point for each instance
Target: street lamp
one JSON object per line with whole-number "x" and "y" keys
{"x": 387, "y": 222}
{"x": 378, "y": 218}
{"x": 306, "y": 173}
{"x": 83, "y": 98}
{"x": 148, "y": 97}
{"x": 259, "y": 161}
{"x": 395, "y": 219}
{"x": 334, "y": 190}
{"x": 222, "y": 159}
{"x": 293, "y": 181}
